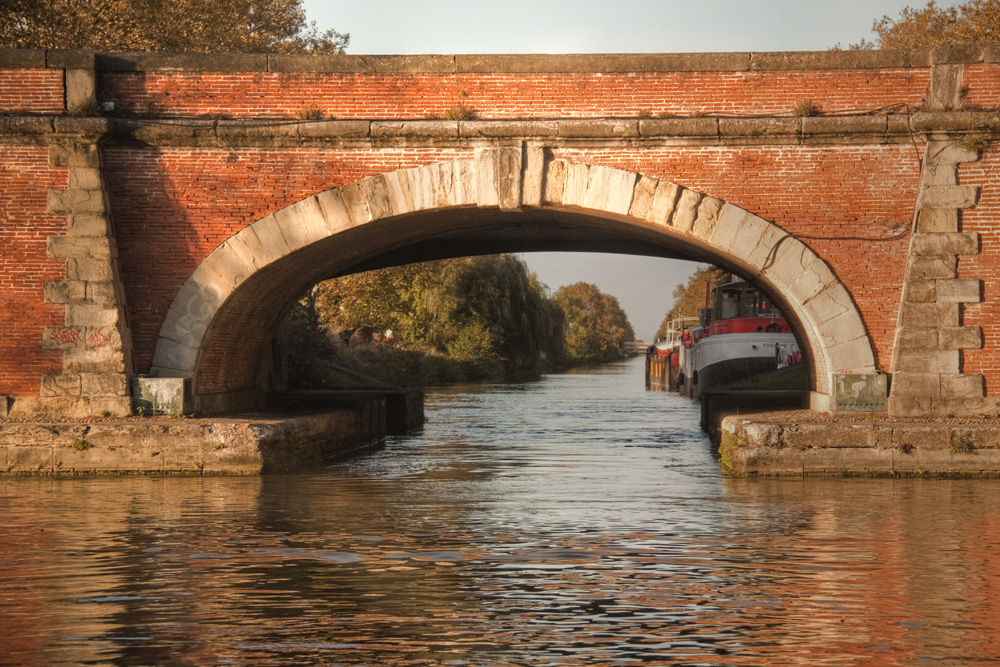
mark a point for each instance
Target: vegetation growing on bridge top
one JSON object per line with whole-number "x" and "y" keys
{"x": 451, "y": 320}
{"x": 975, "y": 21}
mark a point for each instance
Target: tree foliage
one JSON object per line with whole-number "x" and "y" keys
{"x": 261, "y": 26}
{"x": 486, "y": 311}
{"x": 689, "y": 297}
{"x": 970, "y": 22}
{"x": 596, "y": 326}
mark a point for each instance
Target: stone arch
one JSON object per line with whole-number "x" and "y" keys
{"x": 293, "y": 246}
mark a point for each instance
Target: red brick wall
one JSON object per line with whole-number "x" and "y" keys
{"x": 982, "y": 83}
{"x": 172, "y": 207}
{"x": 25, "y": 180}
{"x": 828, "y": 193}
{"x": 33, "y": 90}
{"x": 513, "y": 95}
{"x": 984, "y": 219}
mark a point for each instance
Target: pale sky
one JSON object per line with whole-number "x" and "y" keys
{"x": 643, "y": 285}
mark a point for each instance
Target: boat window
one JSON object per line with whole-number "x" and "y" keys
{"x": 729, "y": 303}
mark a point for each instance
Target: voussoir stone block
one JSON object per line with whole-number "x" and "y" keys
{"x": 787, "y": 262}
{"x": 466, "y": 186}
{"x": 851, "y": 358}
{"x": 829, "y": 304}
{"x": 707, "y": 217}
{"x": 812, "y": 280}
{"x": 487, "y": 166}
{"x": 686, "y": 210}
{"x": 533, "y": 187}
{"x": 610, "y": 190}
{"x": 231, "y": 265}
{"x": 577, "y": 179}
{"x": 264, "y": 240}
{"x": 555, "y": 182}
{"x": 642, "y": 197}
{"x": 334, "y": 210}
{"x": 356, "y": 202}
{"x": 509, "y": 171}
{"x": 302, "y": 223}
{"x": 176, "y": 357}
{"x": 664, "y": 203}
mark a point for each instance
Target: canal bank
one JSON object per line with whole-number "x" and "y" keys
{"x": 805, "y": 443}
{"x": 299, "y": 431}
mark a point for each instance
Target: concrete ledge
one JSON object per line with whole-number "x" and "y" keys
{"x": 800, "y": 443}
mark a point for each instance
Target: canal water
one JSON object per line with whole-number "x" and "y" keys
{"x": 579, "y": 520}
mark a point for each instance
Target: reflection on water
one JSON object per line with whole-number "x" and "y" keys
{"x": 575, "y": 521}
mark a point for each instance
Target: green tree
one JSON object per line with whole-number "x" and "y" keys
{"x": 596, "y": 326}
{"x": 262, "y": 26}
{"x": 970, "y": 22}
{"x": 689, "y": 297}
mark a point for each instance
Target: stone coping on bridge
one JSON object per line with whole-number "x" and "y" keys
{"x": 843, "y": 129}
{"x": 742, "y": 61}
{"x": 802, "y": 443}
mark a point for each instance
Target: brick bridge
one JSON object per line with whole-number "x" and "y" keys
{"x": 160, "y": 212}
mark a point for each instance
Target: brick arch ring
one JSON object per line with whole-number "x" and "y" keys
{"x": 511, "y": 179}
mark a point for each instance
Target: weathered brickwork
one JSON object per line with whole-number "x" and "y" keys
{"x": 980, "y": 86}
{"x": 175, "y": 233}
{"x": 25, "y": 226}
{"x": 852, "y": 205}
{"x": 32, "y": 90}
{"x": 512, "y": 95}
{"x": 984, "y": 220}
{"x": 173, "y": 207}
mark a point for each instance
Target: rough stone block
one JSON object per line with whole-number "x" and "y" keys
{"x": 577, "y": 179}
{"x": 534, "y": 176}
{"x": 466, "y": 187}
{"x": 664, "y": 203}
{"x": 76, "y": 201}
{"x": 960, "y": 338}
{"x": 707, "y": 217}
{"x": 97, "y": 247}
{"x": 509, "y": 170}
{"x": 93, "y": 360}
{"x": 915, "y": 385}
{"x": 940, "y": 174}
{"x": 812, "y": 280}
{"x": 965, "y": 407}
{"x": 86, "y": 224}
{"x": 851, "y": 358}
{"x": 555, "y": 182}
{"x": 919, "y": 338}
{"x": 64, "y": 291}
{"x": 958, "y": 291}
{"x": 85, "y": 268}
{"x": 265, "y": 241}
{"x": 788, "y": 261}
{"x": 104, "y": 384}
{"x": 962, "y": 385}
{"x": 926, "y": 361}
{"x": 936, "y": 221}
{"x": 610, "y": 190}
{"x": 334, "y": 209}
{"x": 919, "y": 314}
{"x": 356, "y": 203}
{"x": 303, "y": 223}
{"x": 78, "y": 155}
{"x": 686, "y": 210}
{"x": 642, "y": 197}
{"x": 88, "y": 315}
{"x": 920, "y": 291}
{"x": 941, "y": 266}
{"x": 909, "y": 406}
{"x": 598, "y": 128}
{"x": 949, "y": 152}
{"x": 949, "y": 196}
{"x": 958, "y": 243}
{"x": 60, "y": 384}
{"x": 102, "y": 293}
{"x": 487, "y": 165}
